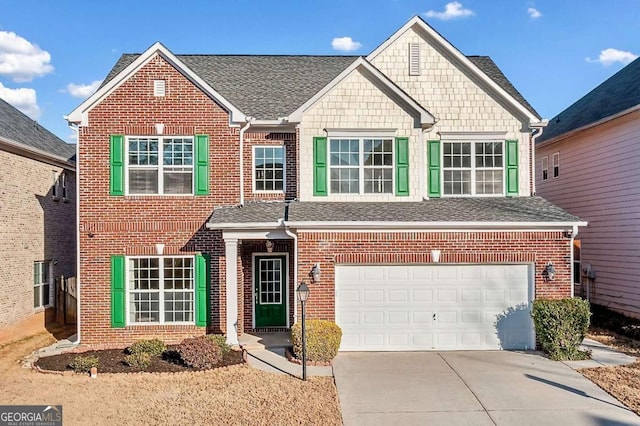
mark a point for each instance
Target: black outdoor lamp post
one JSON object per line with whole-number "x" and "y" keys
{"x": 303, "y": 295}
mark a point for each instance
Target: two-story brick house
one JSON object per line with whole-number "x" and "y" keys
{"x": 212, "y": 185}
{"x": 37, "y": 222}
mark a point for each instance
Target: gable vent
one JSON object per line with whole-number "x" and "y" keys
{"x": 159, "y": 87}
{"x": 414, "y": 58}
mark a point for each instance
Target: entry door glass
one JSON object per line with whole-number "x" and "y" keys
{"x": 270, "y": 292}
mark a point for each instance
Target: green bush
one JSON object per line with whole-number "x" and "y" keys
{"x": 84, "y": 363}
{"x": 200, "y": 352}
{"x": 153, "y": 347}
{"x": 323, "y": 340}
{"x": 140, "y": 360}
{"x": 221, "y": 341}
{"x": 561, "y": 325}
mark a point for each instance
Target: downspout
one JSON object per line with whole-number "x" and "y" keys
{"x": 242, "y": 130}
{"x": 540, "y": 126}
{"x": 574, "y": 232}
{"x": 294, "y": 236}
{"x": 76, "y": 129}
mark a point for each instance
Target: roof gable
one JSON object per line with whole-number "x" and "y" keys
{"x": 480, "y": 68}
{"x": 80, "y": 114}
{"x": 614, "y": 96}
{"x": 20, "y": 131}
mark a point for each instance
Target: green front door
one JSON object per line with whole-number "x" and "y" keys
{"x": 271, "y": 291}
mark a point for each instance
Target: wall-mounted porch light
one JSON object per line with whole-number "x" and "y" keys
{"x": 269, "y": 246}
{"x": 549, "y": 272}
{"x": 315, "y": 273}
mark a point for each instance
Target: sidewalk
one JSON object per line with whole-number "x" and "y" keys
{"x": 601, "y": 356}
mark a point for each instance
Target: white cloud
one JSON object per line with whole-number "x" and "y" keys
{"x": 73, "y": 137}
{"x": 534, "y": 13}
{"x": 452, "y": 10}
{"x": 83, "y": 90}
{"x": 22, "y": 60}
{"x": 610, "y": 56}
{"x": 23, "y": 99}
{"x": 345, "y": 44}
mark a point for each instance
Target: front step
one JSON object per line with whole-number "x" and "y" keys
{"x": 269, "y": 341}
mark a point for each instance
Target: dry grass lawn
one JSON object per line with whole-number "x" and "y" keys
{"x": 231, "y": 395}
{"x": 622, "y": 382}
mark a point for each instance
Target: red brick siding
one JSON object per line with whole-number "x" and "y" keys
{"x": 288, "y": 140}
{"x": 331, "y": 248}
{"x": 134, "y": 224}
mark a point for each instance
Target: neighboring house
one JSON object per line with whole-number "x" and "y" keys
{"x": 212, "y": 185}
{"x": 38, "y": 225}
{"x": 587, "y": 162}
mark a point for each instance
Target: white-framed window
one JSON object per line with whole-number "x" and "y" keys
{"x": 268, "y": 169}
{"x": 556, "y": 165}
{"x": 160, "y": 290}
{"x": 63, "y": 186}
{"x": 55, "y": 193}
{"x": 160, "y": 165}
{"x": 361, "y": 165}
{"x": 545, "y": 168}
{"x": 42, "y": 294}
{"x": 473, "y": 168}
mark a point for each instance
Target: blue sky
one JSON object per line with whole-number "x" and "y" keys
{"x": 53, "y": 53}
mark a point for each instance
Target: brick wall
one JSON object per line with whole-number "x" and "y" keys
{"x": 132, "y": 225}
{"x": 331, "y": 248}
{"x": 34, "y": 227}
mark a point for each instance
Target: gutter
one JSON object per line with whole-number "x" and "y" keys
{"x": 242, "y": 130}
{"x": 574, "y": 232}
{"x": 294, "y": 236}
{"x": 38, "y": 154}
{"x": 540, "y": 127}
{"x": 427, "y": 226}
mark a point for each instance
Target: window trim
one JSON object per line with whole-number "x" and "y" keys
{"x": 361, "y": 167}
{"x": 544, "y": 167}
{"x": 55, "y": 193}
{"x": 127, "y": 293}
{"x": 160, "y": 166}
{"x": 40, "y": 286}
{"x": 556, "y": 165}
{"x": 473, "y": 167}
{"x": 284, "y": 170}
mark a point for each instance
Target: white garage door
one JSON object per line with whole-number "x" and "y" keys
{"x": 434, "y": 307}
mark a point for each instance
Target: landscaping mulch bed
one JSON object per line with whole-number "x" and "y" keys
{"x": 112, "y": 361}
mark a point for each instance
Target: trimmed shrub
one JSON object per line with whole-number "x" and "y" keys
{"x": 323, "y": 339}
{"x": 153, "y": 347}
{"x": 561, "y": 325}
{"x": 140, "y": 360}
{"x": 200, "y": 352}
{"x": 221, "y": 341}
{"x": 84, "y": 363}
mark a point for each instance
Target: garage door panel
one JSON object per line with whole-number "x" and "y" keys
{"x": 425, "y": 307}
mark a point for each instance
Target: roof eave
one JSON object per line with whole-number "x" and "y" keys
{"x": 36, "y": 154}
{"x": 80, "y": 114}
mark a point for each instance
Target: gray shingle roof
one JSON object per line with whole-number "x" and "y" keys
{"x": 516, "y": 209}
{"x": 273, "y": 86}
{"x": 618, "y": 93}
{"x": 17, "y": 127}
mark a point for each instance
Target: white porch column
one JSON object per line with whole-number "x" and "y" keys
{"x": 231, "y": 259}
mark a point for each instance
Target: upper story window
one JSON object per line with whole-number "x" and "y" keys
{"x": 545, "y": 168}
{"x": 268, "y": 168}
{"x": 361, "y": 165}
{"x": 42, "y": 293}
{"x": 556, "y": 164}
{"x": 63, "y": 186}
{"x": 473, "y": 168}
{"x": 54, "y": 186}
{"x": 160, "y": 290}
{"x": 160, "y": 165}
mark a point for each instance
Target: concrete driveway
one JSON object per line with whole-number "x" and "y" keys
{"x": 469, "y": 388}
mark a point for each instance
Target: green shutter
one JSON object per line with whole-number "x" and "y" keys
{"x": 202, "y": 289}
{"x": 434, "y": 169}
{"x": 512, "y": 168}
{"x": 320, "y": 166}
{"x": 116, "y": 186}
{"x": 402, "y": 166}
{"x": 117, "y": 292}
{"x": 201, "y": 166}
